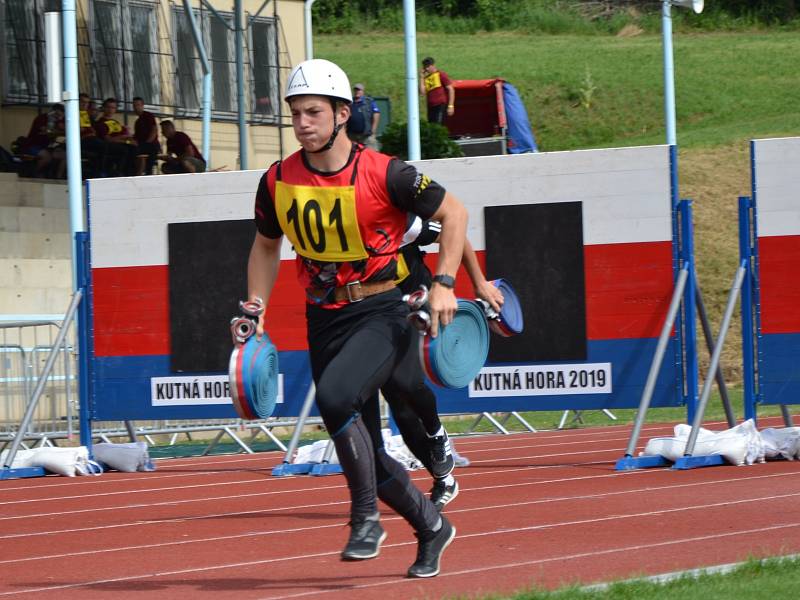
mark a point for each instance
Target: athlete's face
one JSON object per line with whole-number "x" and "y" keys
{"x": 312, "y": 120}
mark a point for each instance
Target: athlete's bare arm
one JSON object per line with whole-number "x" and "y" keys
{"x": 453, "y": 217}
{"x": 262, "y": 271}
{"x": 483, "y": 289}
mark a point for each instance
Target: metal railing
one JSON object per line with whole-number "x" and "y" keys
{"x": 26, "y": 345}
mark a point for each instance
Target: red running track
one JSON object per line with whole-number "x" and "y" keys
{"x": 541, "y": 509}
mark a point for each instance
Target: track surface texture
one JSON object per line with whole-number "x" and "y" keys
{"x": 542, "y": 509}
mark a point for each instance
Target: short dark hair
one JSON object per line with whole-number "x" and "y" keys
{"x": 58, "y": 106}
{"x": 428, "y": 61}
{"x": 167, "y": 123}
{"x": 84, "y": 95}
{"x": 137, "y": 98}
{"x": 109, "y": 100}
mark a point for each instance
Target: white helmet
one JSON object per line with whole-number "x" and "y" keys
{"x": 319, "y": 77}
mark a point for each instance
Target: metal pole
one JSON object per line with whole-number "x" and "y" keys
{"x": 308, "y": 28}
{"x": 726, "y": 321}
{"x": 723, "y": 389}
{"x": 412, "y": 84}
{"x": 655, "y": 366}
{"x": 81, "y": 244}
{"x": 42, "y": 381}
{"x": 748, "y": 325}
{"x": 669, "y": 75}
{"x": 238, "y": 27}
{"x": 206, "y": 102}
{"x": 301, "y": 420}
{"x": 73, "y": 132}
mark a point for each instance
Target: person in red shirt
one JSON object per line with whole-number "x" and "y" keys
{"x": 344, "y": 208}
{"x": 145, "y": 132}
{"x": 182, "y": 155}
{"x": 45, "y": 141}
{"x": 93, "y": 149}
{"x": 120, "y": 147}
{"x": 439, "y": 92}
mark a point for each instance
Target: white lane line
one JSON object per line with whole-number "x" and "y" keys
{"x": 503, "y": 531}
{"x": 227, "y": 460}
{"x": 94, "y": 494}
{"x": 542, "y": 561}
{"x": 394, "y": 518}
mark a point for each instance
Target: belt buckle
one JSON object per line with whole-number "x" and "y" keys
{"x": 349, "y": 288}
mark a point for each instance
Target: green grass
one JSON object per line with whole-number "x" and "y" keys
{"x": 754, "y": 580}
{"x": 729, "y": 86}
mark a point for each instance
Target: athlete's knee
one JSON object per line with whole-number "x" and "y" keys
{"x": 335, "y": 403}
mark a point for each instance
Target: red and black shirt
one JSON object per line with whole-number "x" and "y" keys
{"x": 345, "y": 225}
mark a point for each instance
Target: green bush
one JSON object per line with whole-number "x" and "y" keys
{"x": 434, "y": 141}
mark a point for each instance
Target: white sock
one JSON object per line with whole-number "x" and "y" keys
{"x": 449, "y": 480}
{"x": 438, "y": 525}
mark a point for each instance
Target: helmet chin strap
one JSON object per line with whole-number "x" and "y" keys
{"x": 336, "y": 128}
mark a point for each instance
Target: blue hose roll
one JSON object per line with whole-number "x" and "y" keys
{"x": 510, "y": 320}
{"x": 253, "y": 373}
{"x": 455, "y": 357}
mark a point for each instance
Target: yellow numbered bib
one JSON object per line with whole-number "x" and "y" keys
{"x": 433, "y": 81}
{"x": 113, "y": 126}
{"x": 85, "y": 120}
{"x": 321, "y": 222}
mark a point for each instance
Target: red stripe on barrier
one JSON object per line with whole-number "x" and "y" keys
{"x": 131, "y": 311}
{"x": 779, "y": 269}
{"x": 628, "y": 288}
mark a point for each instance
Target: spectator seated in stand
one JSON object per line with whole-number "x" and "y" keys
{"x": 93, "y": 151}
{"x": 44, "y": 144}
{"x": 182, "y": 155}
{"x": 145, "y": 132}
{"x": 120, "y": 149}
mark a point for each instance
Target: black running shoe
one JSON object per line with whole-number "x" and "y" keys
{"x": 430, "y": 548}
{"x": 442, "y": 494}
{"x": 442, "y": 461}
{"x": 366, "y": 536}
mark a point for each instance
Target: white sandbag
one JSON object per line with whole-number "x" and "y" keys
{"x": 62, "y": 461}
{"x": 739, "y": 445}
{"x": 313, "y": 453}
{"x": 746, "y": 429}
{"x": 397, "y": 449}
{"x": 669, "y": 447}
{"x": 782, "y": 443}
{"x": 128, "y": 457}
{"x": 394, "y": 445}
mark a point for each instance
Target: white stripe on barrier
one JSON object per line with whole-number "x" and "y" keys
{"x": 625, "y": 194}
{"x": 777, "y": 185}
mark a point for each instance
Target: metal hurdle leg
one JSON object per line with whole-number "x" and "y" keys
{"x": 286, "y": 467}
{"x": 628, "y": 462}
{"x": 7, "y": 472}
{"x": 688, "y": 461}
{"x": 268, "y": 432}
{"x": 325, "y": 467}
{"x": 709, "y": 336}
{"x": 787, "y": 416}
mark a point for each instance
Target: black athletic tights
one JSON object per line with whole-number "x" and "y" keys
{"x": 354, "y": 351}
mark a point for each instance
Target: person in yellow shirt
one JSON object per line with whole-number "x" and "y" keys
{"x": 438, "y": 90}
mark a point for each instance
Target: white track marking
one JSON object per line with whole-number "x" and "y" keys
{"x": 541, "y": 561}
{"x": 503, "y": 531}
{"x": 394, "y": 518}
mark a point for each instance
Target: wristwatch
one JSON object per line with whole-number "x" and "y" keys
{"x": 445, "y": 280}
